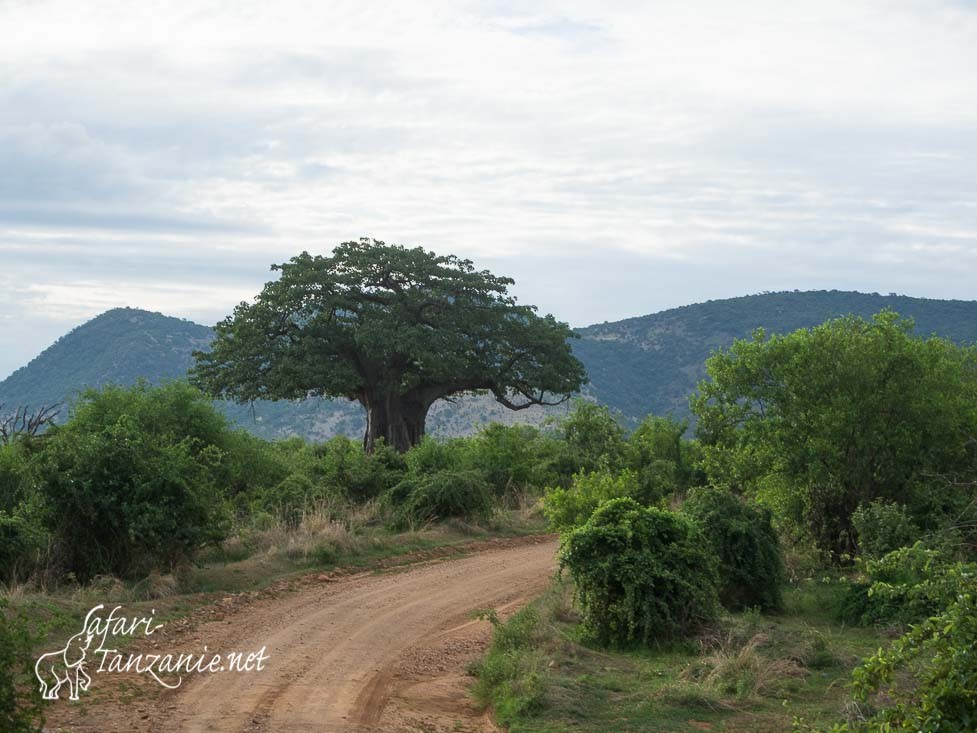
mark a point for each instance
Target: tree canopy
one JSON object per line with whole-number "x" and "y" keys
{"x": 822, "y": 420}
{"x": 394, "y": 329}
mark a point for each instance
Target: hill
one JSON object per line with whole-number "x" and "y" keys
{"x": 636, "y": 366}
{"x": 653, "y": 363}
{"x": 124, "y": 345}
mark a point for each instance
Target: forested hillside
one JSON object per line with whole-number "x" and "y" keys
{"x": 648, "y": 364}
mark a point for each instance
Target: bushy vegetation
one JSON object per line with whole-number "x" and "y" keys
{"x": 21, "y": 710}
{"x": 141, "y": 480}
{"x": 571, "y": 507}
{"x": 751, "y": 566}
{"x": 882, "y": 527}
{"x": 426, "y": 498}
{"x": 927, "y": 680}
{"x": 642, "y": 574}
{"x": 131, "y": 483}
{"x": 819, "y": 422}
{"x": 848, "y": 448}
{"x": 906, "y": 586}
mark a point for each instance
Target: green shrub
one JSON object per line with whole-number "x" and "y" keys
{"x": 14, "y": 476}
{"x": 514, "y": 458}
{"x": 740, "y": 533}
{"x": 431, "y": 456}
{"x": 289, "y": 499}
{"x": 927, "y": 680}
{"x": 419, "y": 499}
{"x": 566, "y": 508}
{"x": 21, "y": 541}
{"x": 665, "y": 461}
{"x": 906, "y": 586}
{"x": 641, "y": 573}
{"x": 593, "y": 438}
{"x": 510, "y": 676}
{"x": 131, "y": 481}
{"x": 21, "y": 709}
{"x": 883, "y": 527}
{"x": 343, "y": 466}
{"x": 250, "y": 464}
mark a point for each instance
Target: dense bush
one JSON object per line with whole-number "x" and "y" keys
{"x": 14, "y": 476}
{"x": 883, "y": 527}
{"x": 927, "y": 680}
{"x": 22, "y": 535}
{"x": 573, "y": 506}
{"x": 906, "y": 586}
{"x": 751, "y": 566}
{"x": 131, "y": 481}
{"x": 289, "y": 499}
{"x": 823, "y": 420}
{"x": 21, "y": 708}
{"x": 344, "y": 468}
{"x": 21, "y": 542}
{"x": 593, "y": 439}
{"x": 513, "y": 458}
{"x": 250, "y": 464}
{"x": 641, "y": 573}
{"x": 666, "y": 463}
{"x": 426, "y": 498}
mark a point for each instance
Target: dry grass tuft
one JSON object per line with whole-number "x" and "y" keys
{"x": 735, "y": 667}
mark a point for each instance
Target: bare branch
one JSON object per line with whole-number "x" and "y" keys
{"x": 22, "y": 422}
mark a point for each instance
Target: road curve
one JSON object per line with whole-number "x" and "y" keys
{"x": 334, "y": 648}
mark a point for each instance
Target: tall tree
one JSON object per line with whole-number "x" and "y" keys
{"x": 822, "y": 420}
{"x": 395, "y": 329}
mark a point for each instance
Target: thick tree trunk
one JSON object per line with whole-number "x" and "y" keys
{"x": 398, "y": 421}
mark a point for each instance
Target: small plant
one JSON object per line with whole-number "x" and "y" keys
{"x": 642, "y": 574}
{"x": 737, "y": 668}
{"x": 510, "y": 677}
{"x": 927, "y": 680}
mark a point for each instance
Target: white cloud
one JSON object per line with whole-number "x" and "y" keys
{"x": 616, "y": 157}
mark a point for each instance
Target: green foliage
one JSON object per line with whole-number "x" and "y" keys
{"x": 751, "y": 566}
{"x": 131, "y": 482}
{"x": 883, "y": 527}
{"x": 426, "y": 498}
{"x": 642, "y": 573}
{"x": 394, "y": 329}
{"x": 21, "y": 708}
{"x": 346, "y": 469}
{"x": 927, "y": 680}
{"x": 666, "y": 462}
{"x": 593, "y": 438}
{"x": 21, "y": 541}
{"x": 821, "y": 421}
{"x": 906, "y": 586}
{"x": 572, "y": 507}
{"x": 513, "y": 458}
{"x": 509, "y": 677}
{"x": 289, "y": 499}
{"x": 250, "y": 464}
{"x": 15, "y": 480}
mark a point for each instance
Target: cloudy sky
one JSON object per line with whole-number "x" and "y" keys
{"x": 616, "y": 158}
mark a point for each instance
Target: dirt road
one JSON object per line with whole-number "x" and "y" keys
{"x": 373, "y": 652}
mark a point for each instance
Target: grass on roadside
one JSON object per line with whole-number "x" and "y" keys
{"x": 754, "y": 673}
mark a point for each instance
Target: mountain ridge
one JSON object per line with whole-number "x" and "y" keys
{"x": 637, "y": 365}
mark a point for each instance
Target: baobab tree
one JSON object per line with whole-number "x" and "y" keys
{"x": 394, "y": 329}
